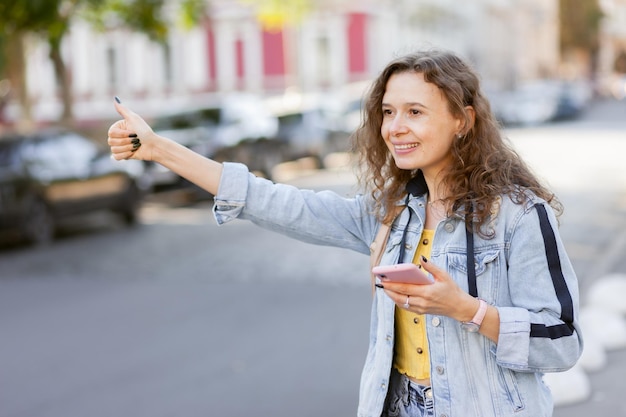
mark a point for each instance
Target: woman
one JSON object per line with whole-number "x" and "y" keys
{"x": 503, "y": 306}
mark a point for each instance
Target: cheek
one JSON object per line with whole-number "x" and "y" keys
{"x": 384, "y": 133}
{"x": 384, "y": 130}
{"x": 441, "y": 147}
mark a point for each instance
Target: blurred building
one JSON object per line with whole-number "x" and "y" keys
{"x": 612, "y": 56}
{"x": 339, "y": 43}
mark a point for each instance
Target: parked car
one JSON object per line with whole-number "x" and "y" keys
{"x": 305, "y": 133}
{"x": 234, "y": 128}
{"x": 540, "y": 101}
{"x": 53, "y": 175}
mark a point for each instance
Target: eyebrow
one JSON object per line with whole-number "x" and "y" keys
{"x": 410, "y": 104}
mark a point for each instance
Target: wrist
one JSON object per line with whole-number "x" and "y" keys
{"x": 163, "y": 150}
{"x": 473, "y": 325}
{"x": 468, "y": 309}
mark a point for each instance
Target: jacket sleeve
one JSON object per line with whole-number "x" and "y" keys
{"x": 323, "y": 218}
{"x": 539, "y": 332}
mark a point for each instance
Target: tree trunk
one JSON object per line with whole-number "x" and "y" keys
{"x": 60, "y": 70}
{"x": 16, "y": 71}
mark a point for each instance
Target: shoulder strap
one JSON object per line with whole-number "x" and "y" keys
{"x": 377, "y": 247}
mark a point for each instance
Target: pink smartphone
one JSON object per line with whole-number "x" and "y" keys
{"x": 407, "y": 273}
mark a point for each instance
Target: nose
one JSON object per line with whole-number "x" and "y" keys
{"x": 398, "y": 126}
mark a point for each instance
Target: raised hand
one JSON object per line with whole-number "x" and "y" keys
{"x": 131, "y": 137}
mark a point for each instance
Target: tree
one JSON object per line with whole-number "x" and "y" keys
{"x": 51, "y": 20}
{"x": 579, "y": 28}
{"x": 18, "y": 18}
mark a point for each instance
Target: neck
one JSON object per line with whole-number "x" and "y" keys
{"x": 436, "y": 191}
{"x": 435, "y": 173}
{"x": 436, "y": 209}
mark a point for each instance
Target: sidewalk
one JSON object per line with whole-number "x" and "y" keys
{"x": 608, "y": 384}
{"x": 608, "y": 388}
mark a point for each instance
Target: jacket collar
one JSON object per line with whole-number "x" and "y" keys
{"x": 417, "y": 185}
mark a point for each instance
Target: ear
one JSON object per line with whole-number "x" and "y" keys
{"x": 468, "y": 124}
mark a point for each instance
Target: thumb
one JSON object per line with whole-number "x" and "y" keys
{"x": 123, "y": 111}
{"x": 132, "y": 121}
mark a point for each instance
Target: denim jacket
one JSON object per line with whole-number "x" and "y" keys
{"x": 522, "y": 270}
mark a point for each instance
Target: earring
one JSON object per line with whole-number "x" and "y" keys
{"x": 459, "y": 136}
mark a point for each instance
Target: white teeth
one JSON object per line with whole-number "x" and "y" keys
{"x": 406, "y": 146}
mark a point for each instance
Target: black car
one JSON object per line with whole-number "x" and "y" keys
{"x": 50, "y": 176}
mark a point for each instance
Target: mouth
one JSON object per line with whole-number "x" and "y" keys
{"x": 405, "y": 146}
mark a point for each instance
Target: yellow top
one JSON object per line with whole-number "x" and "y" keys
{"x": 411, "y": 347}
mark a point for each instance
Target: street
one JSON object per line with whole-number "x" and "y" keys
{"x": 181, "y": 317}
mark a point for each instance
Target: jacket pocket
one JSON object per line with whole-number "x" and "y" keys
{"x": 508, "y": 381}
{"x": 486, "y": 265}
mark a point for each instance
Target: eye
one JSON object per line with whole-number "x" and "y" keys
{"x": 415, "y": 112}
{"x": 387, "y": 112}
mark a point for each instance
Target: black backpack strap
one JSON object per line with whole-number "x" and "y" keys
{"x": 471, "y": 265}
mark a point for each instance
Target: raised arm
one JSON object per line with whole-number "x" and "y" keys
{"x": 190, "y": 165}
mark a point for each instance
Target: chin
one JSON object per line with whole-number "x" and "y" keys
{"x": 406, "y": 165}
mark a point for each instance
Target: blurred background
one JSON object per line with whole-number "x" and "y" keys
{"x": 118, "y": 293}
{"x": 62, "y": 61}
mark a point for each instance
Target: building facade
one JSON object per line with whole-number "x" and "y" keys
{"x": 612, "y": 55}
{"x": 338, "y": 44}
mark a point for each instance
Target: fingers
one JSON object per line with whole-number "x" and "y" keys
{"x": 440, "y": 297}
{"x": 125, "y": 136}
{"x": 417, "y": 294}
{"x": 119, "y": 129}
{"x": 119, "y": 134}
{"x": 121, "y": 156}
{"x": 122, "y": 152}
{"x": 121, "y": 137}
{"x": 432, "y": 269}
{"x": 123, "y": 143}
{"x": 125, "y": 148}
{"x": 415, "y": 304}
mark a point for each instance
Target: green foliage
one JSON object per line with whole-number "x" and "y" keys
{"x": 192, "y": 12}
{"x": 145, "y": 16}
{"x": 52, "y": 19}
{"x": 28, "y": 15}
{"x": 47, "y": 18}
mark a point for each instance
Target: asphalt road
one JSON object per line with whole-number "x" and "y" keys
{"x": 180, "y": 317}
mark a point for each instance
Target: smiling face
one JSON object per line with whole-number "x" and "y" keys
{"x": 417, "y": 126}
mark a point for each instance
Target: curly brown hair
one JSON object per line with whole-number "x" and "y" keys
{"x": 485, "y": 165}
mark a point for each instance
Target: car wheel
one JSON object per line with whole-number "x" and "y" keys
{"x": 268, "y": 154}
{"x": 130, "y": 211}
{"x": 39, "y": 225}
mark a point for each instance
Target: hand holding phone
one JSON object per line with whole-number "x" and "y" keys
{"x": 406, "y": 273}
